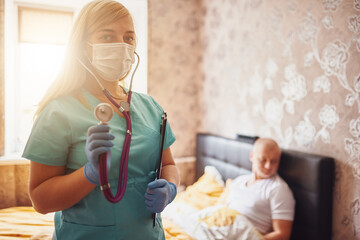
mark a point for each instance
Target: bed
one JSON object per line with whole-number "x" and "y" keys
{"x": 309, "y": 176}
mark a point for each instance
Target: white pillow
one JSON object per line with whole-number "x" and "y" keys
{"x": 213, "y": 171}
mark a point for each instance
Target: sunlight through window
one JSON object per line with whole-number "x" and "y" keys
{"x": 39, "y": 64}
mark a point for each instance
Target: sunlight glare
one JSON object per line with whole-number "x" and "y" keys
{"x": 38, "y": 67}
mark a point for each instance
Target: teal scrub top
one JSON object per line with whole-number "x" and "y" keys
{"x": 58, "y": 138}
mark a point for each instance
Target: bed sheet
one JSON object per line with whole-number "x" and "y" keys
{"x": 201, "y": 213}
{"x": 20, "y": 223}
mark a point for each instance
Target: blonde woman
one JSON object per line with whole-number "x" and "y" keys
{"x": 66, "y": 140}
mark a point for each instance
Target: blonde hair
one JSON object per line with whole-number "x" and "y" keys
{"x": 72, "y": 75}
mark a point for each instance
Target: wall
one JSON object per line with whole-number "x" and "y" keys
{"x": 174, "y": 66}
{"x": 285, "y": 69}
{"x": 14, "y": 182}
{"x": 2, "y": 93}
{"x": 290, "y": 71}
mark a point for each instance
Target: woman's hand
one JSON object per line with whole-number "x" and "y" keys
{"x": 97, "y": 142}
{"x": 159, "y": 194}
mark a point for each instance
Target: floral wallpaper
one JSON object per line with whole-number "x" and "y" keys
{"x": 285, "y": 69}
{"x": 174, "y": 67}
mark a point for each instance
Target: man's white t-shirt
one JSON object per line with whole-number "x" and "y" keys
{"x": 264, "y": 200}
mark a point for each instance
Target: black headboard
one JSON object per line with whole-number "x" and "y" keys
{"x": 309, "y": 176}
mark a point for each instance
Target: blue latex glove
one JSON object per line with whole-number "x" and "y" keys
{"x": 98, "y": 141}
{"x": 159, "y": 194}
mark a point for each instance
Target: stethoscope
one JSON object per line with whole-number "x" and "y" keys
{"x": 104, "y": 112}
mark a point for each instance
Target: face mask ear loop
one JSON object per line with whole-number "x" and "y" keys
{"x": 102, "y": 87}
{"x": 132, "y": 76}
{"x": 105, "y": 91}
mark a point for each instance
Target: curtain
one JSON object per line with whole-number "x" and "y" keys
{"x": 44, "y": 26}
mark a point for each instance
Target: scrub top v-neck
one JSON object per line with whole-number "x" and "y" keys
{"x": 58, "y": 138}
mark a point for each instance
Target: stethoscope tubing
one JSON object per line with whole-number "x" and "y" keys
{"x": 124, "y": 160}
{"x": 123, "y": 168}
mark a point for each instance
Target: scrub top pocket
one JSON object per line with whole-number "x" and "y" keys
{"x": 75, "y": 231}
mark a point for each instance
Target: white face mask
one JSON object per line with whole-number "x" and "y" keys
{"x": 112, "y": 61}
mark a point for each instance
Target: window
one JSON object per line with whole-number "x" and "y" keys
{"x": 36, "y": 32}
{"x": 42, "y": 36}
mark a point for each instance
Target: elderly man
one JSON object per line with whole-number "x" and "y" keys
{"x": 263, "y": 196}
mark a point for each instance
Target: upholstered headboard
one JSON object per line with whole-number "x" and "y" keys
{"x": 309, "y": 176}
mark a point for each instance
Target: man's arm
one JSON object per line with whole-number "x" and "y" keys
{"x": 281, "y": 230}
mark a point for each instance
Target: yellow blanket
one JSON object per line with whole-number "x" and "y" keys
{"x": 203, "y": 193}
{"x": 25, "y": 223}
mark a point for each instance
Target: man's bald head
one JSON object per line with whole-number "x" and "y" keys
{"x": 267, "y": 144}
{"x": 265, "y": 157}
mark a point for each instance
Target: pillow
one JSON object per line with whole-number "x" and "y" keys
{"x": 215, "y": 173}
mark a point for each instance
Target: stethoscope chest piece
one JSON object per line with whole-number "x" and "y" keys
{"x": 103, "y": 112}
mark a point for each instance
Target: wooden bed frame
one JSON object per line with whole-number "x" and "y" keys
{"x": 309, "y": 176}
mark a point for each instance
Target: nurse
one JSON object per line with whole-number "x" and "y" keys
{"x": 66, "y": 140}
